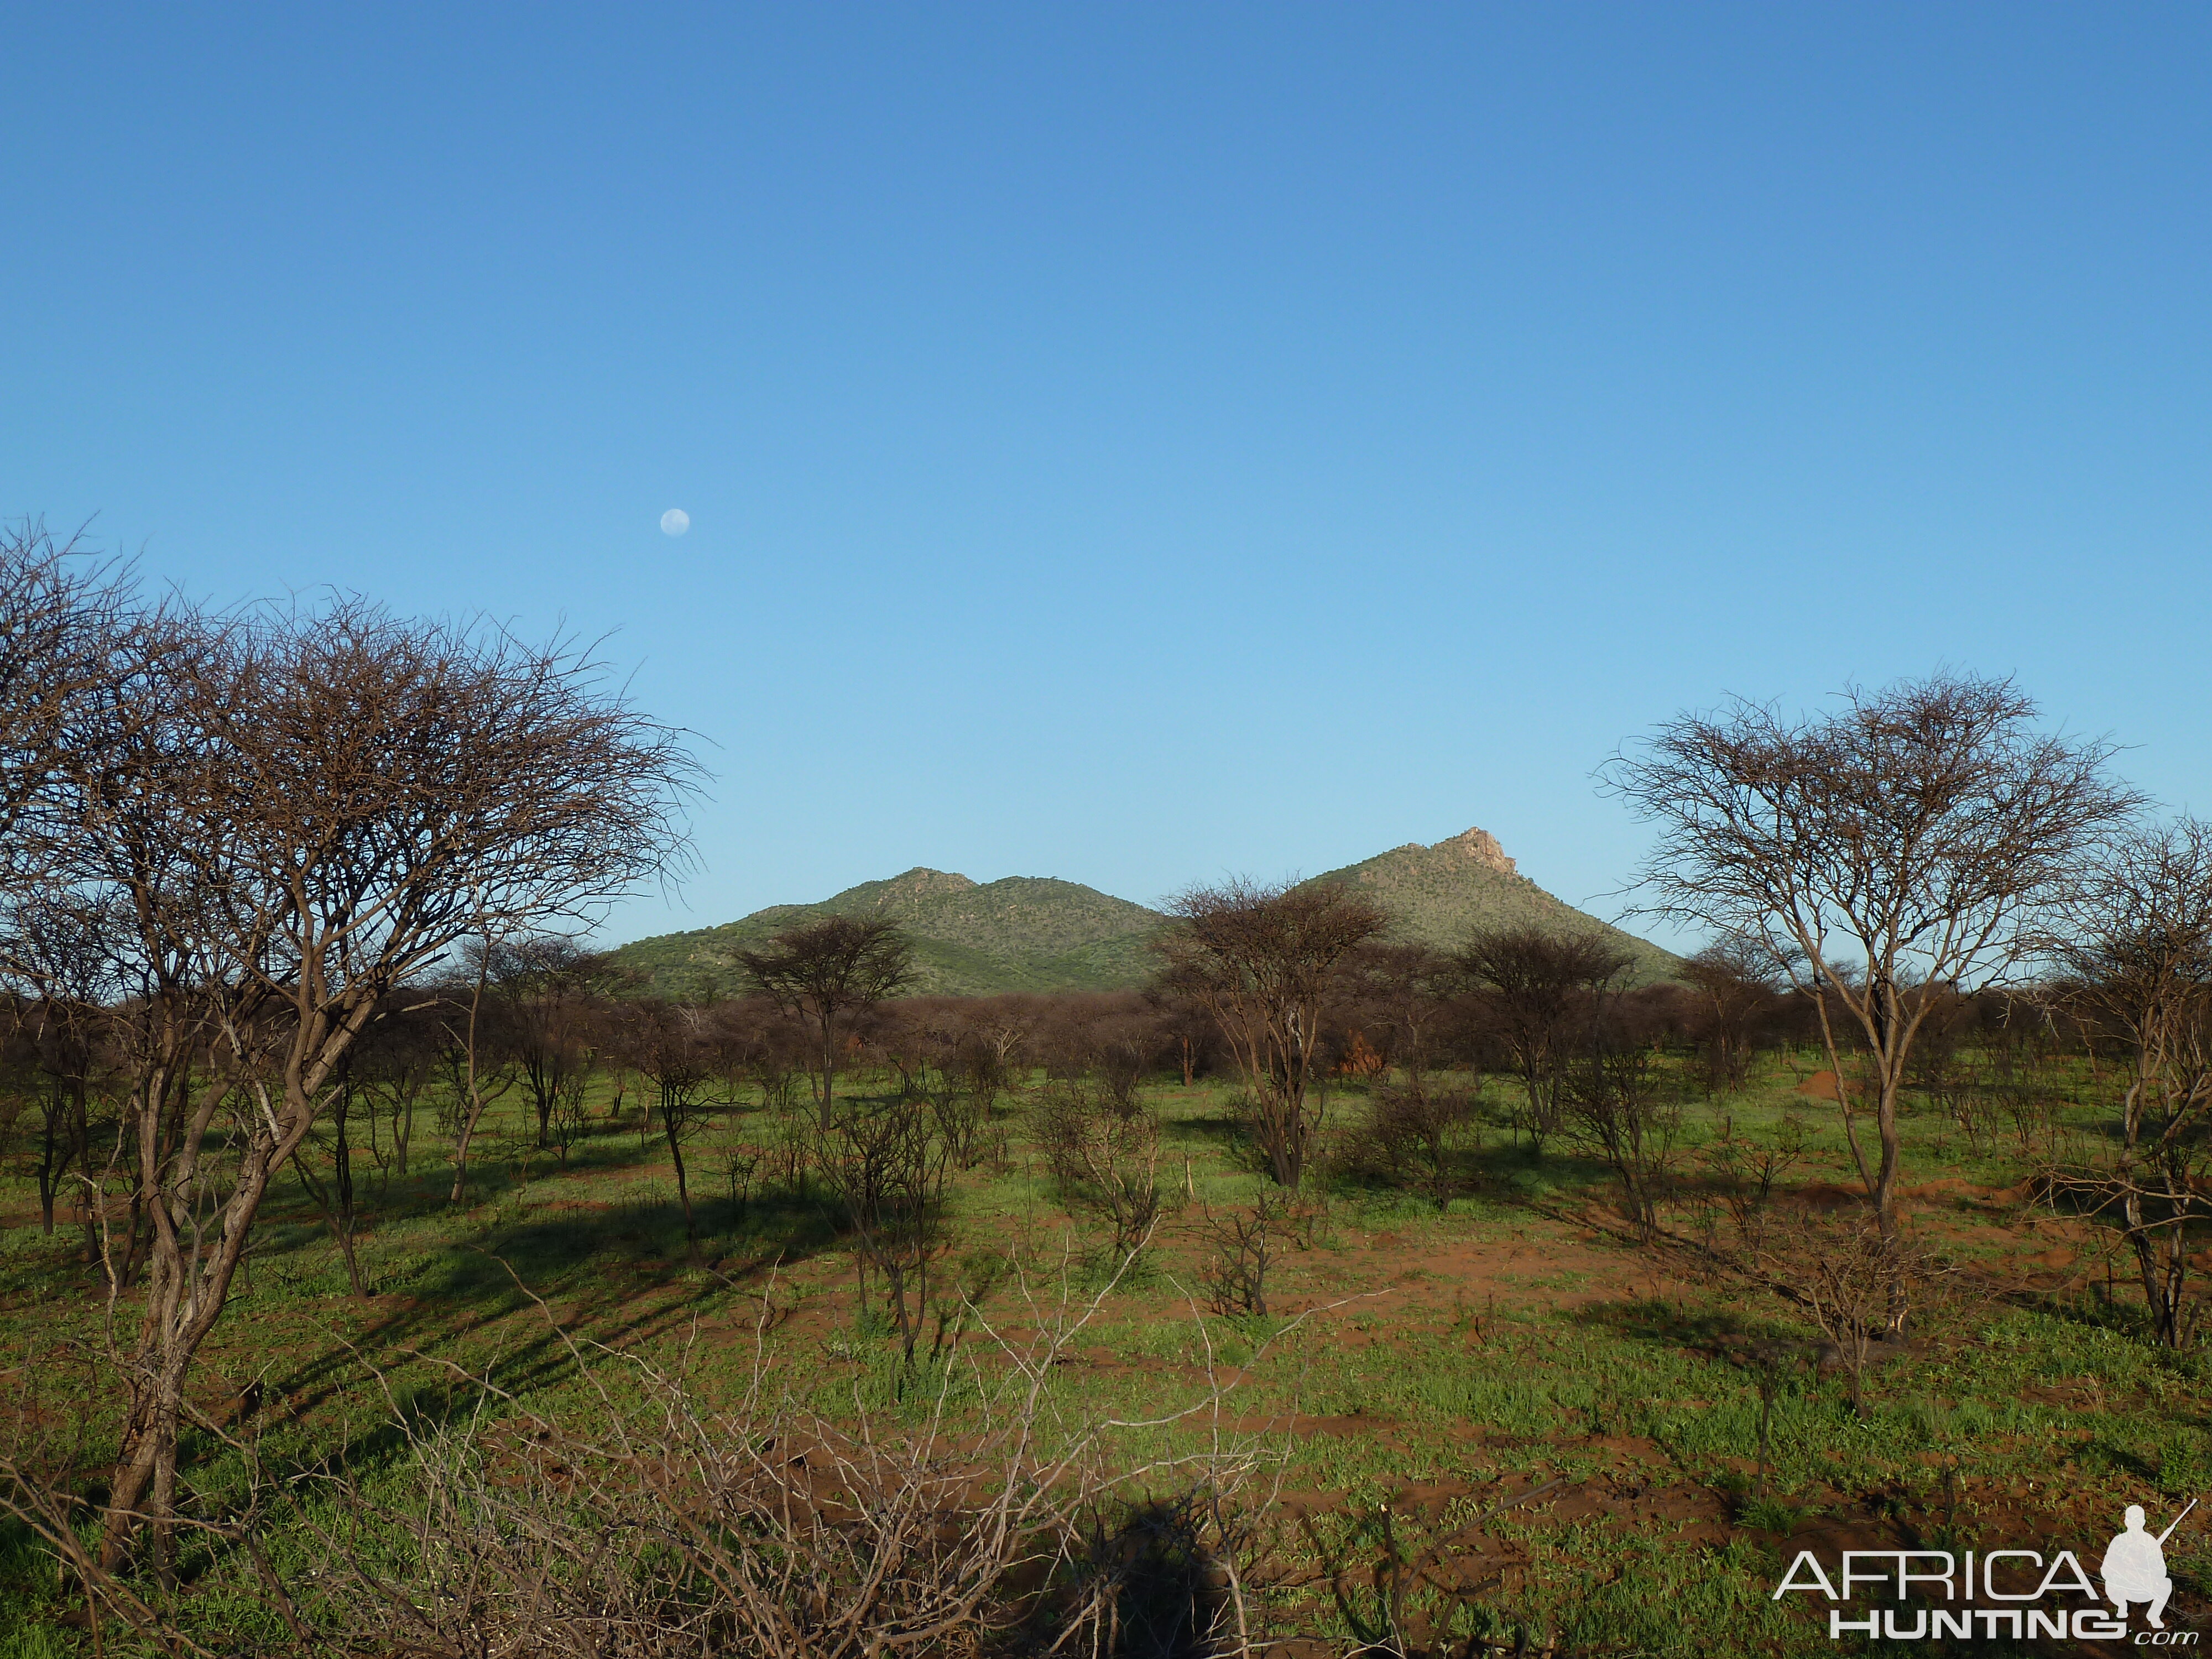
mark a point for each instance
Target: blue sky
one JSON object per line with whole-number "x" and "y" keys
{"x": 1137, "y": 443}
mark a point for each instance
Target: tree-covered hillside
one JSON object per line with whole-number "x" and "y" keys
{"x": 1034, "y": 933}
{"x": 1023, "y": 934}
{"x": 1439, "y": 895}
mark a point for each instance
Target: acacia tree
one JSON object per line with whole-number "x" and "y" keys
{"x": 1737, "y": 990}
{"x": 1263, "y": 961}
{"x": 670, "y": 1051}
{"x": 2140, "y": 952}
{"x": 1534, "y": 985}
{"x": 546, "y": 981}
{"x": 292, "y": 813}
{"x": 824, "y": 975}
{"x": 1405, "y": 988}
{"x": 58, "y": 617}
{"x": 1906, "y": 844}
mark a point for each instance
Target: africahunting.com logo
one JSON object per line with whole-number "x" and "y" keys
{"x": 2133, "y": 1570}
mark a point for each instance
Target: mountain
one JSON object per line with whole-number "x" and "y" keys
{"x": 1024, "y": 934}
{"x": 1034, "y": 933}
{"x": 1439, "y": 895}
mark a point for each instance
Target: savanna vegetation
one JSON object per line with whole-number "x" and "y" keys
{"x": 382, "y": 1272}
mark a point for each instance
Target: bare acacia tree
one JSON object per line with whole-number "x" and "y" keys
{"x": 547, "y": 980}
{"x": 1543, "y": 992}
{"x": 1263, "y": 961}
{"x": 1738, "y": 989}
{"x": 296, "y": 811}
{"x": 1405, "y": 989}
{"x": 58, "y": 616}
{"x": 1906, "y": 844}
{"x": 2140, "y": 950}
{"x": 670, "y": 1050}
{"x": 825, "y": 972}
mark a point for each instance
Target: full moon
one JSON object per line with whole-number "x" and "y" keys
{"x": 675, "y": 521}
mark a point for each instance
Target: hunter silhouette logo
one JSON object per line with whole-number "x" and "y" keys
{"x": 2134, "y": 1565}
{"x": 1999, "y": 1595}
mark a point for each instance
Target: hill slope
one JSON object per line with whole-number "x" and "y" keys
{"x": 1024, "y": 934}
{"x": 1439, "y": 895}
{"x": 1034, "y": 933}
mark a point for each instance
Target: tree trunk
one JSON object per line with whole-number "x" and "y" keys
{"x": 1885, "y": 1186}
{"x": 50, "y": 1165}
{"x": 476, "y": 1094}
{"x": 336, "y": 1201}
{"x": 461, "y": 1150}
{"x": 184, "y": 1298}
{"x": 403, "y": 1131}
{"x": 672, "y": 1114}
{"x": 828, "y": 1071}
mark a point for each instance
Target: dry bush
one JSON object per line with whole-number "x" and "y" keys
{"x": 788, "y": 1147}
{"x": 1745, "y": 1173}
{"x": 1857, "y": 1285}
{"x": 742, "y": 1160}
{"x": 1617, "y": 1110}
{"x": 957, "y": 1060}
{"x": 1241, "y": 1247}
{"x": 1419, "y": 1137}
{"x": 1102, "y": 1144}
{"x": 650, "y": 1523}
{"x": 973, "y": 1072}
{"x": 962, "y": 1116}
{"x": 890, "y": 1172}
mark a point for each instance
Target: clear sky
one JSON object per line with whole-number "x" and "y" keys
{"x": 1137, "y": 443}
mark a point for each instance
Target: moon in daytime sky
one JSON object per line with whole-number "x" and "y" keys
{"x": 675, "y": 521}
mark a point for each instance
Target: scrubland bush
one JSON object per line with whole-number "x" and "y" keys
{"x": 1241, "y": 1246}
{"x": 1101, "y": 1145}
{"x": 890, "y": 1170}
{"x": 652, "y": 1520}
{"x": 1418, "y": 1137}
{"x": 1617, "y": 1110}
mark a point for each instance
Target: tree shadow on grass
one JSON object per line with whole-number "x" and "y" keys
{"x": 618, "y": 1277}
{"x": 1221, "y": 1131}
{"x": 1722, "y": 1333}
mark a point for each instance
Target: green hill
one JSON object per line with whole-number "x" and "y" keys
{"x": 1033, "y": 934}
{"x": 1439, "y": 895}
{"x": 1024, "y": 934}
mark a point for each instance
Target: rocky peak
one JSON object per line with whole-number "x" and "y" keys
{"x": 1480, "y": 846}
{"x": 901, "y": 895}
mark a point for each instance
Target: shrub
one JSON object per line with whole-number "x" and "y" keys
{"x": 1102, "y": 1144}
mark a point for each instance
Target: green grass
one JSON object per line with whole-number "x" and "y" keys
{"x": 1510, "y": 1345}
